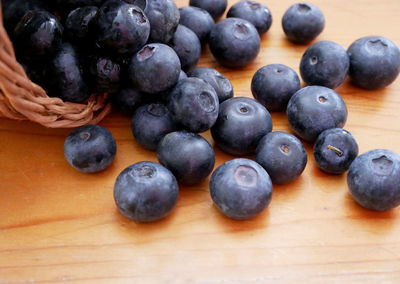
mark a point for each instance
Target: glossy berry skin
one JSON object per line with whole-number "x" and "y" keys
{"x": 241, "y": 124}
{"x": 121, "y": 28}
{"x": 145, "y": 192}
{"x": 234, "y": 42}
{"x": 241, "y": 189}
{"x": 282, "y": 155}
{"x": 314, "y": 109}
{"x": 105, "y": 75}
{"x": 65, "y": 77}
{"x": 374, "y": 62}
{"x": 273, "y": 85}
{"x": 254, "y": 12}
{"x": 90, "y": 148}
{"x": 334, "y": 150}
{"x": 219, "y": 82}
{"x": 373, "y": 180}
{"x": 215, "y": 8}
{"x": 187, "y": 46}
{"x": 325, "y": 63}
{"x": 155, "y": 68}
{"x": 303, "y": 22}
{"x": 78, "y": 23}
{"x": 151, "y": 123}
{"x": 187, "y": 155}
{"x": 164, "y": 19}
{"x": 127, "y": 100}
{"x": 194, "y": 105}
{"x": 38, "y": 34}
{"x": 198, "y": 20}
{"x": 15, "y": 10}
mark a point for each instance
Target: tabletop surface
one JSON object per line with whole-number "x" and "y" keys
{"x": 60, "y": 225}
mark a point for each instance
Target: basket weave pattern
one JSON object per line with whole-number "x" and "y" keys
{"x": 21, "y": 99}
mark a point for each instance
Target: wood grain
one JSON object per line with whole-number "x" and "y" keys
{"x": 59, "y": 225}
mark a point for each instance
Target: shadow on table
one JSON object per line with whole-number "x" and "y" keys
{"x": 373, "y": 221}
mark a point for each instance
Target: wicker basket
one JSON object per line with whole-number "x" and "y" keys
{"x": 22, "y": 99}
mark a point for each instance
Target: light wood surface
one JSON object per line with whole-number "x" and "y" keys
{"x": 59, "y": 225}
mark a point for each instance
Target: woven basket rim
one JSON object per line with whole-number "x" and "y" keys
{"x": 22, "y": 99}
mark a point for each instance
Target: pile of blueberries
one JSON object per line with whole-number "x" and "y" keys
{"x": 139, "y": 51}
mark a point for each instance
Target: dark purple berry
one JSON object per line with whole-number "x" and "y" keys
{"x": 314, "y": 109}
{"x": 194, "y": 105}
{"x": 234, "y": 42}
{"x": 145, "y": 192}
{"x": 241, "y": 189}
{"x": 273, "y": 86}
{"x": 373, "y": 180}
{"x": 241, "y": 124}
{"x": 325, "y": 63}
{"x": 303, "y": 22}
{"x": 187, "y": 155}
{"x": 155, "y": 68}
{"x": 374, "y": 62}
{"x": 282, "y": 155}
{"x": 90, "y": 148}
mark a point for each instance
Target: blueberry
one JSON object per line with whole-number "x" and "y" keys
{"x": 314, "y": 109}
{"x": 219, "y": 82}
{"x": 127, "y": 100}
{"x": 121, "y": 27}
{"x": 78, "y": 23}
{"x": 198, "y": 20}
{"x": 187, "y": 46}
{"x": 145, "y": 192}
{"x": 241, "y": 189}
{"x": 155, "y": 68}
{"x": 65, "y": 78}
{"x": 150, "y": 124}
{"x": 215, "y": 8}
{"x": 241, "y": 124}
{"x": 105, "y": 74}
{"x": 325, "y": 63}
{"x": 334, "y": 150}
{"x": 273, "y": 86}
{"x": 194, "y": 105}
{"x": 303, "y": 22}
{"x": 15, "y": 10}
{"x": 254, "y": 12}
{"x": 90, "y": 148}
{"x": 282, "y": 155}
{"x": 373, "y": 180}
{"x": 187, "y": 155}
{"x": 38, "y": 34}
{"x": 164, "y": 19}
{"x": 374, "y": 62}
{"x": 234, "y": 42}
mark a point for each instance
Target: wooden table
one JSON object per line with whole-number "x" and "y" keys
{"x": 59, "y": 225}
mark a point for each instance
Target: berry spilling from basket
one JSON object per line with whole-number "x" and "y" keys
{"x": 135, "y": 50}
